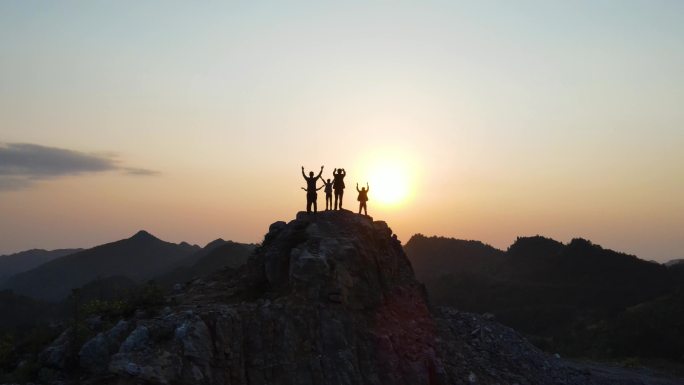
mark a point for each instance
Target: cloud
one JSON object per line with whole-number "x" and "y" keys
{"x": 13, "y": 183}
{"x": 22, "y": 164}
{"x": 140, "y": 171}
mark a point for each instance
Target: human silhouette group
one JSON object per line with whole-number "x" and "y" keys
{"x": 336, "y": 187}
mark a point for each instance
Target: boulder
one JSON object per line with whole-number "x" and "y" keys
{"x": 60, "y": 353}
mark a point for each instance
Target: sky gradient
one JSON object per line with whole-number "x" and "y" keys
{"x": 192, "y": 121}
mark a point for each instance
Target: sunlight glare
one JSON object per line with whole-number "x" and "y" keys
{"x": 389, "y": 182}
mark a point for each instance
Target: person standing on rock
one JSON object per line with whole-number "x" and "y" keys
{"x": 328, "y": 195}
{"x": 363, "y": 198}
{"x": 315, "y": 199}
{"x": 311, "y": 195}
{"x": 338, "y": 185}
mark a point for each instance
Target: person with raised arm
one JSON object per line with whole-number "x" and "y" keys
{"x": 311, "y": 195}
{"x": 338, "y": 186}
{"x": 328, "y": 194}
{"x": 363, "y": 198}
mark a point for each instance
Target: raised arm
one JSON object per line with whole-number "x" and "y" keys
{"x": 303, "y": 174}
{"x": 320, "y": 173}
{"x": 367, "y": 187}
{"x": 357, "y": 188}
{"x": 344, "y": 173}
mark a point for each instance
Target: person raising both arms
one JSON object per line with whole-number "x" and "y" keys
{"x": 363, "y": 198}
{"x": 328, "y": 194}
{"x": 311, "y": 195}
{"x": 313, "y": 202}
{"x": 338, "y": 185}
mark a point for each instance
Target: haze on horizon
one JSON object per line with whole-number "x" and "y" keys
{"x": 192, "y": 121}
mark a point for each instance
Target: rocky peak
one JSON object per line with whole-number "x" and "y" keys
{"x": 143, "y": 235}
{"x": 334, "y": 255}
{"x": 215, "y": 243}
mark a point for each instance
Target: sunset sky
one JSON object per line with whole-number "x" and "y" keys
{"x": 192, "y": 120}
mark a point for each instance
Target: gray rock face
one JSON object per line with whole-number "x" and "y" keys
{"x": 327, "y": 299}
{"x": 59, "y": 355}
{"x": 95, "y": 354}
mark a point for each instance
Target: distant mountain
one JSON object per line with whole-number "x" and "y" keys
{"x": 139, "y": 258}
{"x": 26, "y": 260}
{"x": 674, "y": 262}
{"x": 545, "y": 261}
{"x": 199, "y": 254}
{"x": 213, "y": 257}
{"x": 555, "y": 292}
{"x": 579, "y": 273}
{"x": 435, "y": 255}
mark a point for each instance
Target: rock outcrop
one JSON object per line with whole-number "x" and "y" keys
{"x": 326, "y": 299}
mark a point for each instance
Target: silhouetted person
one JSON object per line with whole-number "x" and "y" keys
{"x": 363, "y": 198}
{"x": 328, "y": 194}
{"x": 310, "y": 202}
{"x": 311, "y": 195}
{"x": 338, "y": 185}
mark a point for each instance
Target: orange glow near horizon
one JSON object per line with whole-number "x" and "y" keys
{"x": 466, "y": 119}
{"x": 391, "y": 178}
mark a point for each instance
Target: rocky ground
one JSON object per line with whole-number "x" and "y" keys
{"x": 327, "y": 299}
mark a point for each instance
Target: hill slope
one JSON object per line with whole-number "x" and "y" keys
{"x": 139, "y": 257}
{"x": 439, "y": 254}
{"x": 25, "y": 312}
{"x": 215, "y": 256}
{"x": 26, "y": 260}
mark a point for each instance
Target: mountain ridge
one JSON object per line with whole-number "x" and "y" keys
{"x": 216, "y": 255}
{"x": 15, "y": 263}
{"x": 139, "y": 257}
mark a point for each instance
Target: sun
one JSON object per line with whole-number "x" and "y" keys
{"x": 389, "y": 182}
